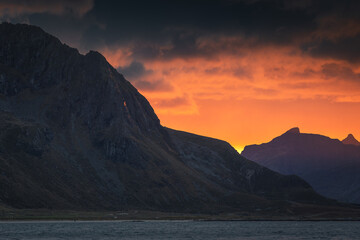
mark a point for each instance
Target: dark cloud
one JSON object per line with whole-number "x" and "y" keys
{"x": 186, "y": 29}
{"x": 172, "y": 29}
{"x": 14, "y": 8}
{"x": 158, "y": 85}
{"x": 143, "y": 78}
{"x": 134, "y": 71}
{"x": 337, "y": 71}
{"x": 275, "y": 72}
{"x": 242, "y": 72}
{"x": 164, "y": 30}
{"x": 344, "y": 49}
{"x": 239, "y": 72}
{"x": 180, "y": 44}
{"x": 306, "y": 73}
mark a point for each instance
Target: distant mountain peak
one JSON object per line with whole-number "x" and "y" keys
{"x": 294, "y": 130}
{"x": 330, "y": 166}
{"x": 350, "y": 139}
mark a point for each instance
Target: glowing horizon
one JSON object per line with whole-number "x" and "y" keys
{"x": 252, "y": 98}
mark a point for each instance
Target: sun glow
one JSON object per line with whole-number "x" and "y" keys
{"x": 239, "y": 149}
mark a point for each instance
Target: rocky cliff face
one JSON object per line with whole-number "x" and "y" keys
{"x": 330, "y": 166}
{"x": 75, "y": 134}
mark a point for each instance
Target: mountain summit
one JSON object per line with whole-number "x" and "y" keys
{"x": 350, "y": 139}
{"x": 294, "y": 130}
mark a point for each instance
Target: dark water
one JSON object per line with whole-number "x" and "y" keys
{"x": 179, "y": 230}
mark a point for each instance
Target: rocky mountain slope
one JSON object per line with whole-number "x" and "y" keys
{"x": 74, "y": 134}
{"x": 330, "y": 166}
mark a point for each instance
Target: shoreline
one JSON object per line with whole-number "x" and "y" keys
{"x": 313, "y": 214}
{"x": 180, "y": 219}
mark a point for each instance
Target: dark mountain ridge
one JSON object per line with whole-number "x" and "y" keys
{"x": 330, "y": 166}
{"x": 76, "y": 135}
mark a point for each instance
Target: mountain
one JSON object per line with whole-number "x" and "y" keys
{"x": 75, "y": 134}
{"x": 350, "y": 139}
{"x": 330, "y": 166}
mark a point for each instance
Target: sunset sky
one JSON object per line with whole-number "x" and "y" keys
{"x": 244, "y": 71}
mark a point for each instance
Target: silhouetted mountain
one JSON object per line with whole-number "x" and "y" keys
{"x": 331, "y": 167}
{"x": 76, "y": 134}
{"x": 350, "y": 139}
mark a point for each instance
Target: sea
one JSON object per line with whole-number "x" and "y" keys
{"x": 179, "y": 230}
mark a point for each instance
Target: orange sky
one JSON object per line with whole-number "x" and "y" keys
{"x": 242, "y": 71}
{"x": 251, "y": 96}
